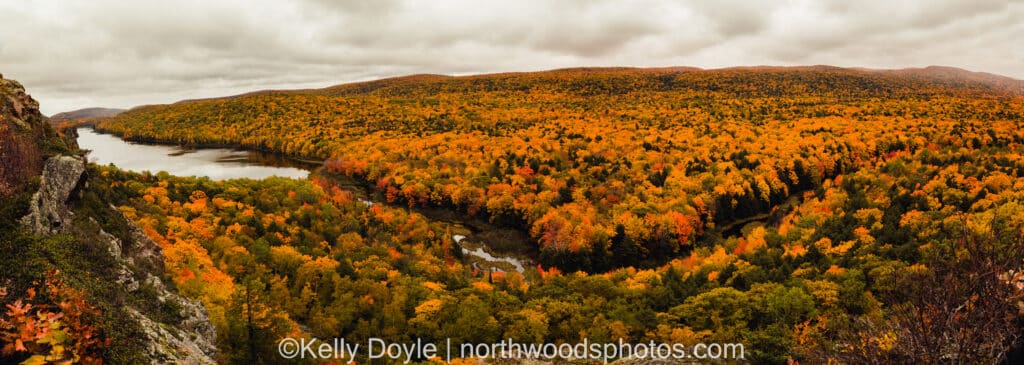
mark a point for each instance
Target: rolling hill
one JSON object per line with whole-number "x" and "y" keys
{"x": 816, "y": 213}
{"x": 675, "y": 152}
{"x": 82, "y": 114}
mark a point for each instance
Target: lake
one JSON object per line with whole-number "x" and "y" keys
{"x": 476, "y": 238}
{"x": 215, "y": 163}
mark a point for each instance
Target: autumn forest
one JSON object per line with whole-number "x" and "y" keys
{"x": 814, "y": 214}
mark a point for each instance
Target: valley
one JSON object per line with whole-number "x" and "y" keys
{"x": 811, "y": 213}
{"x": 511, "y": 182}
{"x": 477, "y": 237}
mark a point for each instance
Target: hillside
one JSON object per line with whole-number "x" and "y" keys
{"x": 83, "y": 114}
{"x": 79, "y": 283}
{"x": 24, "y": 138}
{"x": 584, "y": 158}
{"x": 815, "y": 214}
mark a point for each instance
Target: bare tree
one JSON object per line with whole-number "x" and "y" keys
{"x": 966, "y": 308}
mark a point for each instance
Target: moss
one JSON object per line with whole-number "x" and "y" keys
{"x": 22, "y": 260}
{"x": 82, "y": 256}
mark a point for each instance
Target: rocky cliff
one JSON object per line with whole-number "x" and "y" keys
{"x": 52, "y": 219}
{"x": 21, "y": 131}
{"x": 48, "y": 213}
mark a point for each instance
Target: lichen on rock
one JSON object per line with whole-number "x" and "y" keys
{"x": 177, "y": 330}
{"x": 192, "y": 339}
{"x": 48, "y": 211}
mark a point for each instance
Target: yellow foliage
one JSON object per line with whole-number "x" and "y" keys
{"x": 429, "y": 308}
{"x": 433, "y": 285}
{"x": 795, "y": 250}
{"x": 482, "y": 286}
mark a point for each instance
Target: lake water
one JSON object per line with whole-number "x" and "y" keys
{"x": 225, "y": 163}
{"x": 215, "y": 163}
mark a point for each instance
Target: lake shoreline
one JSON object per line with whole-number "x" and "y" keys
{"x": 181, "y": 160}
{"x": 308, "y": 160}
{"x": 485, "y": 245}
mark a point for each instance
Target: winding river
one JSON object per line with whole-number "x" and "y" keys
{"x": 477, "y": 239}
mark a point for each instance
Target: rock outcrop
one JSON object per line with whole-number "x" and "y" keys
{"x": 21, "y": 132}
{"x": 48, "y": 211}
{"x": 17, "y": 107}
{"x": 182, "y": 334}
{"x": 170, "y": 345}
{"x": 191, "y": 340}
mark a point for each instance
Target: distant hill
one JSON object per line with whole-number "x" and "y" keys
{"x": 952, "y": 76}
{"x": 82, "y": 114}
{"x": 738, "y": 80}
{"x": 738, "y": 140}
{"x": 97, "y": 302}
{"x": 819, "y": 214}
{"x": 767, "y": 80}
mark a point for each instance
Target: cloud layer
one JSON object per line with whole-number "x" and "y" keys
{"x": 72, "y": 54}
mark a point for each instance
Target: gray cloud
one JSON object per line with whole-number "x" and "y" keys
{"x": 73, "y": 54}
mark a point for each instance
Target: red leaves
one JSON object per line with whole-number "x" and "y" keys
{"x": 525, "y": 171}
{"x": 684, "y": 226}
{"x": 18, "y": 308}
{"x": 57, "y": 328}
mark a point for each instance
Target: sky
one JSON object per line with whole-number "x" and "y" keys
{"x": 106, "y": 53}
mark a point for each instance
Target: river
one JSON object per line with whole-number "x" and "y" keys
{"x": 484, "y": 246}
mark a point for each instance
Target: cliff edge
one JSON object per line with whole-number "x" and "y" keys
{"x": 52, "y": 222}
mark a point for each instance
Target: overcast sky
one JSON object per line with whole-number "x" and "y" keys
{"x": 75, "y": 54}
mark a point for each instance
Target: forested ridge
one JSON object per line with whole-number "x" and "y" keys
{"x": 582, "y": 158}
{"x": 895, "y": 202}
